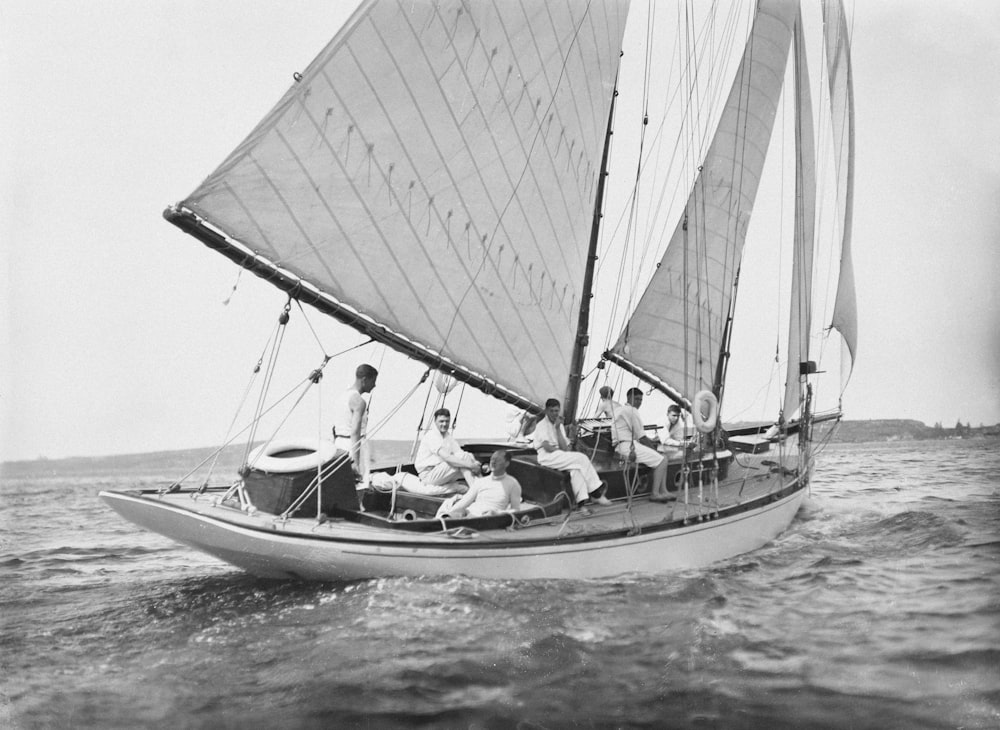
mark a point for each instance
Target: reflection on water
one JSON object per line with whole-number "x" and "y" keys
{"x": 876, "y": 609}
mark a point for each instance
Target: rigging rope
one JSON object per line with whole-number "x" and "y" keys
{"x": 617, "y": 320}
{"x": 311, "y": 328}
{"x": 268, "y": 375}
{"x": 423, "y": 415}
{"x": 258, "y": 415}
{"x": 342, "y": 459}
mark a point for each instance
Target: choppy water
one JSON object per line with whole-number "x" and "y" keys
{"x": 879, "y": 608}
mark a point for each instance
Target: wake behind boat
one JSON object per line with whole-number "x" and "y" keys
{"x": 439, "y": 172}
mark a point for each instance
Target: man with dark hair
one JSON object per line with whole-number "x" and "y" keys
{"x": 676, "y": 438}
{"x": 549, "y": 440}
{"x": 441, "y": 461}
{"x": 629, "y": 432}
{"x": 351, "y": 418}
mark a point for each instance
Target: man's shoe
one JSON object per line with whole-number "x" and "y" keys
{"x": 602, "y": 500}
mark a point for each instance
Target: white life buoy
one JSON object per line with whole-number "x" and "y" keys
{"x": 705, "y": 411}
{"x": 284, "y": 456}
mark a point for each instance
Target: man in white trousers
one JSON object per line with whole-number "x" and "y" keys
{"x": 549, "y": 440}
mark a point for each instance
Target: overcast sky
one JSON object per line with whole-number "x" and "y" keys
{"x": 114, "y": 336}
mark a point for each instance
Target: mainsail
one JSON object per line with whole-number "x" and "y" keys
{"x": 838, "y": 59}
{"x": 676, "y": 334}
{"x": 433, "y": 173}
{"x": 800, "y": 312}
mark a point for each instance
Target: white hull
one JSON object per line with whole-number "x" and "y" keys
{"x": 588, "y": 546}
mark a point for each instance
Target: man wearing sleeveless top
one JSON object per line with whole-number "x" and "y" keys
{"x": 607, "y": 406}
{"x": 352, "y": 418}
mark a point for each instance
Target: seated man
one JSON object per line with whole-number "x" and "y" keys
{"x": 549, "y": 440}
{"x": 440, "y": 460}
{"x": 492, "y": 494}
{"x": 676, "y": 439}
{"x": 629, "y": 433}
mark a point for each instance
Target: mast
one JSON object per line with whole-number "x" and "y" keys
{"x": 719, "y": 385}
{"x": 572, "y": 397}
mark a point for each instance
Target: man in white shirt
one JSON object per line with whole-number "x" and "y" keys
{"x": 549, "y": 440}
{"x": 441, "y": 461}
{"x": 351, "y": 414}
{"x": 676, "y": 438}
{"x": 629, "y": 432}
{"x": 489, "y": 495}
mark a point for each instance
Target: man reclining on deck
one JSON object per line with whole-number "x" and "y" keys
{"x": 441, "y": 461}
{"x": 489, "y": 495}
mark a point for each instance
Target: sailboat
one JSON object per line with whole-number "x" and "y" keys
{"x": 438, "y": 180}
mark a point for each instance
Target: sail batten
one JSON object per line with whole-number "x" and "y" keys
{"x": 500, "y": 155}
{"x": 441, "y": 334}
{"x": 434, "y": 168}
{"x": 676, "y": 331}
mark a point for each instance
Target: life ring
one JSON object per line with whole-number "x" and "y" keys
{"x": 705, "y": 411}
{"x": 285, "y": 456}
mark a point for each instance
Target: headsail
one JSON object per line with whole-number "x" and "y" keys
{"x": 434, "y": 170}
{"x": 676, "y": 332}
{"x": 800, "y": 313}
{"x": 838, "y": 59}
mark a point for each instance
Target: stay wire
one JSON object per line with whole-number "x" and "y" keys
{"x": 268, "y": 375}
{"x": 229, "y": 439}
{"x": 314, "y": 377}
{"x": 423, "y": 415}
{"x": 243, "y": 430}
{"x": 311, "y": 328}
{"x": 243, "y": 400}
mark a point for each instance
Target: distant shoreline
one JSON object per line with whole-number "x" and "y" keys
{"x": 848, "y": 431}
{"x": 876, "y": 430}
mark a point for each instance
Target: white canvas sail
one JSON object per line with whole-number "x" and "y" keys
{"x": 800, "y": 313}
{"x": 434, "y": 169}
{"x": 838, "y": 58}
{"x": 676, "y": 332}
